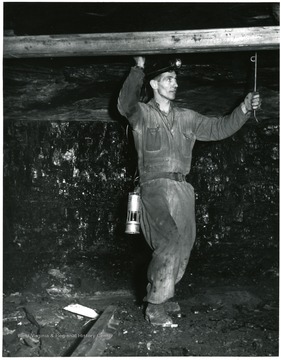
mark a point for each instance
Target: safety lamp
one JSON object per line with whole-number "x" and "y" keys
{"x": 133, "y": 213}
{"x": 177, "y": 63}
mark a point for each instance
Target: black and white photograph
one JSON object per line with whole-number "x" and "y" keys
{"x": 140, "y": 179}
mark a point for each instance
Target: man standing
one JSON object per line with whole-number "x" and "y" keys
{"x": 164, "y": 137}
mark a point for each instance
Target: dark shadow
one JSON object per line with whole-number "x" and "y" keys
{"x": 142, "y": 256}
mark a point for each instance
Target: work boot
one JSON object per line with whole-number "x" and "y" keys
{"x": 155, "y": 314}
{"x": 172, "y": 307}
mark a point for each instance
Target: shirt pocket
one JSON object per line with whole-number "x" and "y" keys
{"x": 188, "y": 140}
{"x": 153, "y": 139}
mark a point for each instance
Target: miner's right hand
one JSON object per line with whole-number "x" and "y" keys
{"x": 140, "y": 61}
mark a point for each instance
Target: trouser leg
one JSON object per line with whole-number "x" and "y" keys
{"x": 182, "y": 207}
{"x": 161, "y": 202}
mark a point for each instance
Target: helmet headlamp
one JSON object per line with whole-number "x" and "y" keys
{"x": 161, "y": 67}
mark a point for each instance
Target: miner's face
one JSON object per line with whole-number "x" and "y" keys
{"x": 166, "y": 85}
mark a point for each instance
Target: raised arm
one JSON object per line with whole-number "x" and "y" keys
{"x": 217, "y": 128}
{"x": 128, "y": 100}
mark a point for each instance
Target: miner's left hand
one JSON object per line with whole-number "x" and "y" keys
{"x": 252, "y": 101}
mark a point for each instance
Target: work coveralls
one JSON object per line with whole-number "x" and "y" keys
{"x": 164, "y": 145}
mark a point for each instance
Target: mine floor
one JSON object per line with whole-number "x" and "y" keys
{"x": 226, "y": 309}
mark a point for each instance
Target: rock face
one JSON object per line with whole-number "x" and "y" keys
{"x": 69, "y": 165}
{"x": 69, "y": 162}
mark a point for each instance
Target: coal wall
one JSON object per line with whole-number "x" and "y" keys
{"x": 66, "y": 182}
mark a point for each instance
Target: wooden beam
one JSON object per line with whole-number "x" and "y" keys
{"x": 94, "y": 342}
{"x": 115, "y": 44}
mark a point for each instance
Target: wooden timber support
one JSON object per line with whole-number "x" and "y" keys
{"x": 94, "y": 341}
{"x": 146, "y": 43}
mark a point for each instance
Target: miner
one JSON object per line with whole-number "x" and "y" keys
{"x": 164, "y": 136}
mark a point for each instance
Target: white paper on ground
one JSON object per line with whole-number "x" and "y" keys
{"x": 82, "y": 310}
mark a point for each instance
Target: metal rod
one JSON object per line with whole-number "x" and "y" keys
{"x": 255, "y": 60}
{"x": 256, "y": 71}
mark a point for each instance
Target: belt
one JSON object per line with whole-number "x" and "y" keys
{"x": 163, "y": 175}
